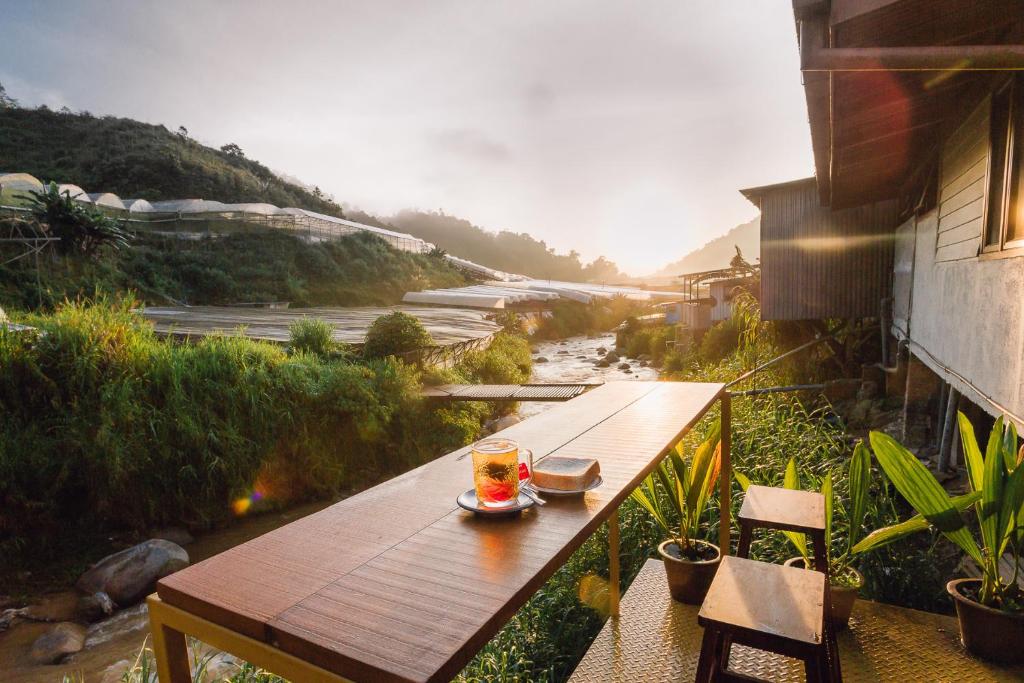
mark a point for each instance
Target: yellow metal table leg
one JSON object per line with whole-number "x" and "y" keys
{"x": 614, "y": 581}
{"x": 169, "y": 648}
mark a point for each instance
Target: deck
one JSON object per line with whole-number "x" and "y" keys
{"x": 447, "y": 326}
{"x": 658, "y": 639}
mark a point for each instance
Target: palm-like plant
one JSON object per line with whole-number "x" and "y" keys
{"x": 859, "y": 484}
{"x": 80, "y": 228}
{"x": 997, "y": 494}
{"x": 676, "y": 494}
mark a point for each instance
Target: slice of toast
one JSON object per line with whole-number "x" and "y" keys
{"x": 563, "y": 473}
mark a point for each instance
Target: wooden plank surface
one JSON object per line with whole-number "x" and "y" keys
{"x": 446, "y": 325}
{"x": 778, "y": 508}
{"x": 398, "y": 583}
{"x": 758, "y": 597}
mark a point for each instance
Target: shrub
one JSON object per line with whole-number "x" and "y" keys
{"x": 719, "y": 341}
{"x": 105, "y": 427}
{"x": 310, "y": 335}
{"x": 394, "y": 334}
{"x": 506, "y": 361}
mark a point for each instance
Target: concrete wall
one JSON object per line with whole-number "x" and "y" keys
{"x": 968, "y": 315}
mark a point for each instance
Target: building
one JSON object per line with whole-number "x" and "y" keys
{"x": 916, "y": 210}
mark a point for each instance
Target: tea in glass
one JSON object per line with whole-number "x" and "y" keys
{"x": 496, "y": 472}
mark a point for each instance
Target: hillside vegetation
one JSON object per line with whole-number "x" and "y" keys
{"x": 717, "y": 252}
{"x": 138, "y": 160}
{"x": 356, "y": 270}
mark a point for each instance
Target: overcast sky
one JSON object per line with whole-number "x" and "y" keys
{"x": 614, "y": 128}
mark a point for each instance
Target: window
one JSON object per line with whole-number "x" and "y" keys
{"x": 1004, "y": 222}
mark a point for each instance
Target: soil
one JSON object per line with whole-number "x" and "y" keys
{"x": 698, "y": 552}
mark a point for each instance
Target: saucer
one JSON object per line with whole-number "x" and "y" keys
{"x": 469, "y": 501}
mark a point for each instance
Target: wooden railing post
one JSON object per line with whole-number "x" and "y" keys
{"x": 725, "y": 477}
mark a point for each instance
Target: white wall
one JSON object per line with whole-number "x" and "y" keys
{"x": 968, "y": 315}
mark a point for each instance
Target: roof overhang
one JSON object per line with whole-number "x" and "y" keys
{"x": 882, "y": 77}
{"x": 754, "y": 194}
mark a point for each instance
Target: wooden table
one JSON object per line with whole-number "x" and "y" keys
{"x": 398, "y": 583}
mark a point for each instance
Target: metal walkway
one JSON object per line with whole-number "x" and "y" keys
{"x": 506, "y": 392}
{"x": 657, "y": 639}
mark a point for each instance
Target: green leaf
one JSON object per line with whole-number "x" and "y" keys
{"x": 699, "y": 471}
{"x": 792, "y": 479}
{"x": 972, "y": 454}
{"x": 1009, "y": 514}
{"x": 799, "y": 541}
{"x": 1010, "y": 446}
{"x": 923, "y": 492}
{"x": 742, "y": 479}
{"x": 886, "y": 535}
{"x": 993, "y": 480}
{"x": 860, "y": 483}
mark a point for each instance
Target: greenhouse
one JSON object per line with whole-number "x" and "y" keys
{"x": 106, "y": 199}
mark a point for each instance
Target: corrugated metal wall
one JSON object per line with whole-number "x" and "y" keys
{"x": 816, "y": 263}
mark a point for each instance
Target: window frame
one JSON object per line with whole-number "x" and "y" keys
{"x": 1011, "y": 175}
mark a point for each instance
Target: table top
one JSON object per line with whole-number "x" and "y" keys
{"x": 400, "y": 584}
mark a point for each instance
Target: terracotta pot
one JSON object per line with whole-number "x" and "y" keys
{"x": 688, "y": 581}
{"x": 843, "y": 597}
{"x": 986, "y": 632}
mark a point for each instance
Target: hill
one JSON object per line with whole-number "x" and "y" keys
{"x": 134, "y": 159}
{"x": 717, "y": 252}
{"x": 513, "y": 252}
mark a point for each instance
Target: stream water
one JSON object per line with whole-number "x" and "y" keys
{"x": 112, "y": 645}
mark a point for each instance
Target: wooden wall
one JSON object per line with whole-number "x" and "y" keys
{"x": 817, "y": 263}
{"x": 962, "y": 187}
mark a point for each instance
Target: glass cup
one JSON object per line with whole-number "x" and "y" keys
{"x": 499, "y": 467}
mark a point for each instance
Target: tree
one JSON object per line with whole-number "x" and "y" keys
{"x": 233, "y": 150}
{"x": 183, "y": 132}
{"x": 6, "y": 101}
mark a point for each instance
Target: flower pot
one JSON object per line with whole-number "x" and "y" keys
{"x": 689, "y": 580}
{"x": 987, "y": 633}
{"x": 842, "y": 597}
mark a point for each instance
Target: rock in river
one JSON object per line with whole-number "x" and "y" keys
{"x": 624, "y": 366}
{"x": 130, "y": 575}
{"x": 64, "y": 639}
{"x": 612, "y": 357}
{"x": 540, "y": 359}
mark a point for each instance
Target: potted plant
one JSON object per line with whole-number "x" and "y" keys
{"x": 676, "y": 495}
{"x": 845, "y": 581}
{"x": 990, "y": 609}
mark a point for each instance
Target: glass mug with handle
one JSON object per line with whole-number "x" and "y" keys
{"x": 499, "y": 468}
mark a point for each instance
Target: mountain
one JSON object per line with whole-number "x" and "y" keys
{"x": 512, "y": 252}
{"x": 140, "y": 160}
{"x": 717, "y": 252}
{"x": 134, "y": 159}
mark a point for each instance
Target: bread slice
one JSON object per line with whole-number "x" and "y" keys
{"x": 562, "y": 473}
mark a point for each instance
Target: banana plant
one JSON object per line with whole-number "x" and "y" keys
{"x": 676, "y": 494}
{"x": 997, "y": 494}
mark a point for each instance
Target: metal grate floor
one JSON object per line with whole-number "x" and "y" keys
{"x": 658, "y": 639}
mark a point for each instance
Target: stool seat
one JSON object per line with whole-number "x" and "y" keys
{"x": 784, "y": 509}
{"x": 747, "y": 596}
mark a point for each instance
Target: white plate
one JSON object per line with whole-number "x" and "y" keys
{"x": 559, "y": 492}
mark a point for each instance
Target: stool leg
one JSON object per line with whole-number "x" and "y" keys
{"x": 831, "y": 670}
{"x": 706, "y": 666}
{"x": 743, "y": 549}
{"x": 813, "y": 669}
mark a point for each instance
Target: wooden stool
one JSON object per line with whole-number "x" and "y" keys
{"x": 768, "y": 606}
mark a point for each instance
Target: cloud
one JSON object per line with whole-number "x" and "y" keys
{"x": 471, "y": 144}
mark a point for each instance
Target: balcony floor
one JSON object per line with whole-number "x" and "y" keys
{"x": 658, "y": 639}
